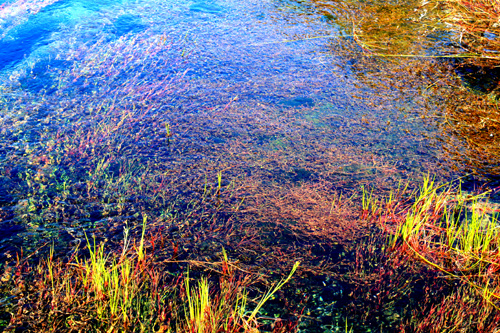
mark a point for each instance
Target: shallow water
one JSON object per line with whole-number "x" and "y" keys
{"x": 238, "y": 54}
{"x": 110, "y": 109}
{"x": 273, "y": 95}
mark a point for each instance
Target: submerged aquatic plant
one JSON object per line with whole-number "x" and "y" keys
{"x": 476, "y": 22}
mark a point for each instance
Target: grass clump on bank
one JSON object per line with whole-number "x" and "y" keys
{"x": 456, "y": 235}
{"x": 103, "y": 292}
{"x": 127, "y": 291}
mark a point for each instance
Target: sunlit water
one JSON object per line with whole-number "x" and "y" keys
{"x": 273, "y": 97}
{"x": 268, "y": 94}
{"x": 268, "y": 59}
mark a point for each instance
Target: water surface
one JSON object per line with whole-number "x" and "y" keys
{"x": 115, "y": 109}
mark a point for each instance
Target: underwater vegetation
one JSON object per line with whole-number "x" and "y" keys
{"x": 138, "y": 194}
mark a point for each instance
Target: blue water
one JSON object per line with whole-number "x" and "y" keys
{"x": 275, "y": 90}
{"x": 113, "y": 109}
{"x": 282, "y": 77}
{"x": 37, "y": 30}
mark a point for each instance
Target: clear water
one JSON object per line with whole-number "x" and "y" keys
{"x": 228, "y": 53}
{"x": 112, "y": 109}
{"x": 274, "y": 94}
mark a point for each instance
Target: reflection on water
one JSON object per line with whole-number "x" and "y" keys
{"x": 413, "y": 63}
{"x": 470, "y": 127}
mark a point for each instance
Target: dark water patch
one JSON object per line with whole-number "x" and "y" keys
{"x": 299, "y": 175}
{"x": 479, "y": 79}
{"x": 24, "y": 39}
{"x": 442, "y": 40}
{"x": 301, "y": 7}
{"x": 296, "y": 102}
{"x": 329, "y": 18}
{"x": 10, "y": 231}
{"x": 5, "y": 196}
{"x": 127, "y": 24}
{"x": 42, "y": 78}
{"x": 10, "y": 228}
